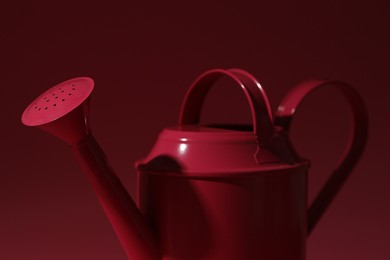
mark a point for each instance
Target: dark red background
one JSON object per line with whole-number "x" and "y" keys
{"x": 143, "y": 56}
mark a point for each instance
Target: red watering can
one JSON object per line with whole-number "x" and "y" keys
{"x": 207, "y": 192}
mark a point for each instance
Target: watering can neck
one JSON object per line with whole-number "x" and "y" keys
{"x": 135, "y": 234}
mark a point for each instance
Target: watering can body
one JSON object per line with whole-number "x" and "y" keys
{"x": 228, "y": 218}
{"x": 207, "y": 192}
{"x": 219, "y": 203}
{"x": 225, "y": 192}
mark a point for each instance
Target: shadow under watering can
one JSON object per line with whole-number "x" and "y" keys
{"x": 207, "y": 192}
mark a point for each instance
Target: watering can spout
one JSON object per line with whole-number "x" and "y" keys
{"x": 133, "y": 231}
{"x": 63, "y": 112}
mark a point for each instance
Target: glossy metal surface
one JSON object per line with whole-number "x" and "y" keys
{"x": 217, "y": 193}
{"x": 210, "y": 192}
{"x": 249, "y": 216}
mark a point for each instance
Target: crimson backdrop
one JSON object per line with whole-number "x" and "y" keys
{"x": 143, "y": 55}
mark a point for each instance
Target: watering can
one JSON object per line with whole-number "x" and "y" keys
{"x": 207, "y": 192}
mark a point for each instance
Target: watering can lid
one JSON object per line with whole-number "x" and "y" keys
{"x": 200, "y": 151}
{"x": 210, "y": 133}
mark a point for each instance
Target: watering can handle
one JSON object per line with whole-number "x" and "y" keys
{"x": 355, "y": 147}
{"x": 258, "y": 101}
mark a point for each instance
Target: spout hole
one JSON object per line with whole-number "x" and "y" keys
{"x": 54, "y": 105}
{"x": 70, "y": 94}
{"x": 56, "y": 96}
{"x": 63, "y": 99}
{"x": 39, "y": 108}
{"x": 46, "y": 108}
{"x": 73, "y": 88}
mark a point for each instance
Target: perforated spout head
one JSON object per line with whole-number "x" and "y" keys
{"x": 62, "y": 110}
